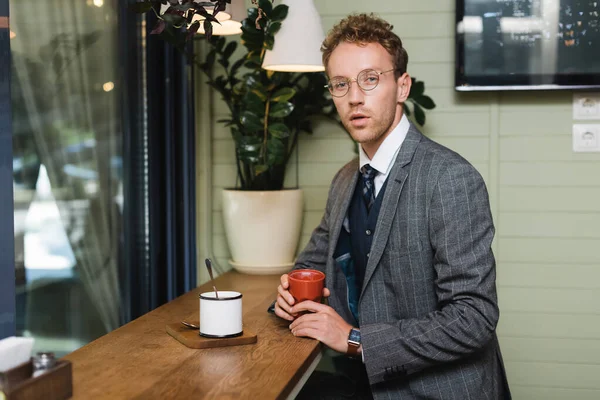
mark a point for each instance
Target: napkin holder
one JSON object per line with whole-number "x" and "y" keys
{"x": 54, "y": 384}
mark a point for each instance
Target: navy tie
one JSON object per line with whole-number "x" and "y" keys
{"x": 368, "y": 176}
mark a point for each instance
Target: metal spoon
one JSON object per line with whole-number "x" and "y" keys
{"x": 209, "y": 267}
{"x": 189, "y": 325}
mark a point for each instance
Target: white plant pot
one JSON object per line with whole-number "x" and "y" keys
{"x": 263, "y": 229}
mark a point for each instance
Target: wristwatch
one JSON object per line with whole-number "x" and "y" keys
{"x": 353, "y": 341}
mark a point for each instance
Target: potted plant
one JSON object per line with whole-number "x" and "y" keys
{"x": 267, "y": 113}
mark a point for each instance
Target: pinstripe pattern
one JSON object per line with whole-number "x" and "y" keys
{"x": 427, "y": 333}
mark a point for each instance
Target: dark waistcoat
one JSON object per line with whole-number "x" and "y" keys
{"x": 352, "y": 251}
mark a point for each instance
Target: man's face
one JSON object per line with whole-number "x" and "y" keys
{"x": 369, "y": 116}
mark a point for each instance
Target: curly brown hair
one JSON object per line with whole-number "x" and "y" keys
{"x": 363, "y": 29}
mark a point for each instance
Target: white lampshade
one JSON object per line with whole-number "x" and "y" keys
{"x": 226, "y": 28}
{"x": 298, "y": 42}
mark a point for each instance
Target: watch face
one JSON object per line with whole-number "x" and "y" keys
{"x": 354, "y": 336}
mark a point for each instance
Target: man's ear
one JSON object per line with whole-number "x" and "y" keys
{"x": 404, "y": 82}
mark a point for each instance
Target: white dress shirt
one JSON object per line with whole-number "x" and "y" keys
{"x": 386, "y": 153}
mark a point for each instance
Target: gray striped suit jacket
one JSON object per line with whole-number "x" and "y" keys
{"x": 428, "y": 306}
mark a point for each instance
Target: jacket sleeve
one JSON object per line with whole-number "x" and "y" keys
{"x": 314, "y": 255}
{"x": 460, "y": 233}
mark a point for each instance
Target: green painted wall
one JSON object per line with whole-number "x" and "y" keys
{"x": 545, "y": 199}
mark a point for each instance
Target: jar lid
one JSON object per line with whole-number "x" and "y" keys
{"x": 44, "y": 360}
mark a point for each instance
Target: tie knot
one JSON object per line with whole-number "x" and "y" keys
{"x": 368, "y": 172}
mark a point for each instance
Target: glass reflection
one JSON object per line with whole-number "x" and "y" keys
{"x": 67, "y": 170}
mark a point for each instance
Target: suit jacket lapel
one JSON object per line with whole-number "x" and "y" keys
{"x": 340, "y": 206}
{"x": 395, "y": 183}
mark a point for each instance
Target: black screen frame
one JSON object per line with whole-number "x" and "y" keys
{"x": 464, "y": 83}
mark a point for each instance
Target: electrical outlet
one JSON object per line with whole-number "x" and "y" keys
{"x": 586, "y": 138}
{"x": 586, "y": 106}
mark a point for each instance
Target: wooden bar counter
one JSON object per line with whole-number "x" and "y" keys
{"x": 141, "y": 361}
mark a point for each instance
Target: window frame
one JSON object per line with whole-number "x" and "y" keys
{"x": 7, "y": 234}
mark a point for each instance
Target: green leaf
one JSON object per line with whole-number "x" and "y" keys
{"x": 229, "y": 50}
{"x": 260, "y": 94}
{"x": 210, "y": 59}
{"x": 220, "y": 82}
{"x": 253, "y": 103}
{"x": 417, "y": 89}
{"x": 192, "y": 29}
{"x": 253, "y": 14}
{"x": 207, "y": 16}
{"x": 252, "y": 43}
{"x": 174, "y": 19}
{"x": 235, "y": 134}
{"x": 142, "y": 7}
{"x": 279, "y": 130}
{"x": 274, "y": 28}
{"x": 253, "y": 84}
{"x": 249, "y": 28}
{"x": 249, "y": 149}
{"x": 275, "y": 151}
{"x": 279, "y": 13}
{"x": 283, "y": 94}
{"x": 224, "y": 62}
{"x": 281, "y": 109}
{"x": 426, "y": 102}
{"x": 251, "y": 64}
{"x": 266, "y": 6}
{"x": 208, "y": 29}
{"x": 254, "y": 59}
{"x": 269, "y": 42}
{"x": 260, "y": 168}
{"x": 419, "y": 114}
{"x": 236, "y": 65}
{"x": 183, "y": 7}
{"x": 250, "y": 121}
{"x": 219, "y": 43}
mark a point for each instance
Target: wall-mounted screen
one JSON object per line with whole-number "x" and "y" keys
{"x": 527, "y": 44}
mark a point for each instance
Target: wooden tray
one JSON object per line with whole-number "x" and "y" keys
{"x": 54, "y": 384}
{"x": 192, "y": 339}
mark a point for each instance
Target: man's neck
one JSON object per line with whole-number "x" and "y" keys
{"x": 371, "y": 148}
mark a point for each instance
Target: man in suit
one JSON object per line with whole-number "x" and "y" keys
{"x": 405, "y": 242}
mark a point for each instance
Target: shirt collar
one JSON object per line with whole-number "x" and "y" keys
{"x": 387, "y": 151}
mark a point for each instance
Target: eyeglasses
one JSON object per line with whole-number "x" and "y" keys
{"x": 366, "y": 80}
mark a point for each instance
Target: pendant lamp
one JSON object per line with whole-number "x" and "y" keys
{"x": 298, "y": 42}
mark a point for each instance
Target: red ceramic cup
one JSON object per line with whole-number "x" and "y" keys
{"x": 306, "y": 284}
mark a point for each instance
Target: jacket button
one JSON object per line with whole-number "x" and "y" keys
{"x": 368, "y": 254}
{"x": 368, "y": 232}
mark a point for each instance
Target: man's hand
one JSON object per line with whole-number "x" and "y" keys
{"x": 321, "y": 323}
{"x": 285, "y": 301}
